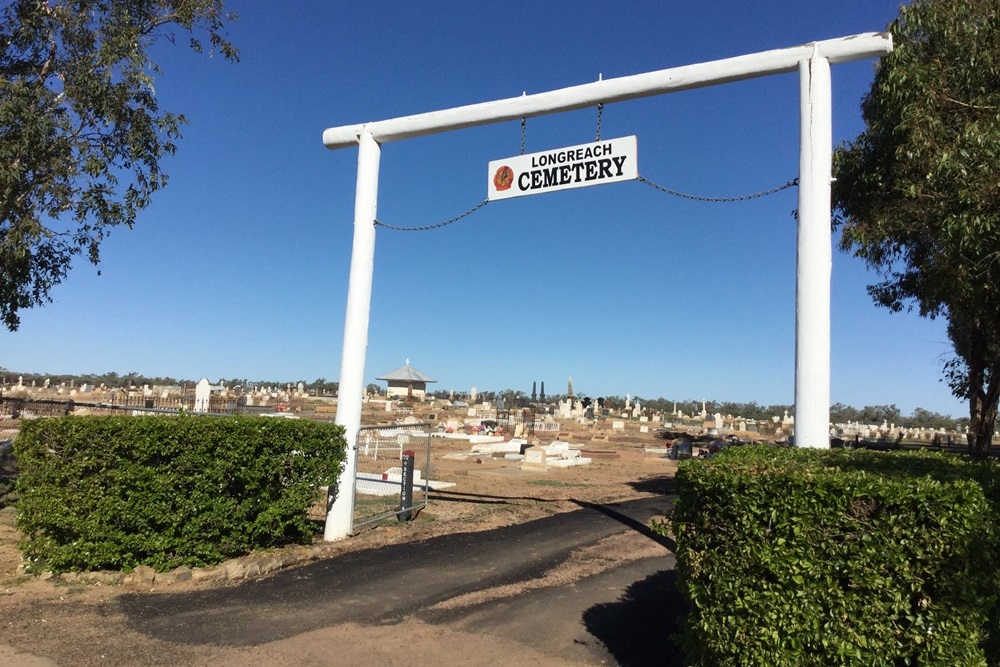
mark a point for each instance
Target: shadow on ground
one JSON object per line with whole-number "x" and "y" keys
{"x": 663, "y": 485}
{"x": 639, "y": 628}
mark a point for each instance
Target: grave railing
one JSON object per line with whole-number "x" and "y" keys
{"x": 517, "y": 423}
{"x": 17, "y": 407}
{"x": 379, "y": 480}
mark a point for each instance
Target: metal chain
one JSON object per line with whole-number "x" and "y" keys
{"x": 790, "y": 184}
{"x": 524, "y": 130}
{"x": 379, "y": 223}
{"x": 600, "y": 112}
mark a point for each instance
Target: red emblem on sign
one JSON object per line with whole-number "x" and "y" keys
{"x": 504, "y": 178}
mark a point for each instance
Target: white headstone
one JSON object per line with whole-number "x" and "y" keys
{"x": 202, "y": 392}
{"x": 534, "y": 459}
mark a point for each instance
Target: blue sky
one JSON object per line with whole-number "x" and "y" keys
{"x": 239, "y": 267}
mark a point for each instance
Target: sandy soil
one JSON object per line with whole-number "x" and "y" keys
{"x": 50, "y": 622}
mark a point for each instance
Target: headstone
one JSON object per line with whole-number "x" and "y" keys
{"x": 471, "y": 412}
{"x": 618, "y": 426}
{"x": 202, "y": 393}
{"x": 534, "y": 459}
{"x": 644, "y": 429}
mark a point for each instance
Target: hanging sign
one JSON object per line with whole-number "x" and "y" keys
{"x": 605, "y": 161}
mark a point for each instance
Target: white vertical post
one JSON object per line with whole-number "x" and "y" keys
{"x": 352, "y": 362}
{"x": 814, "y": 257}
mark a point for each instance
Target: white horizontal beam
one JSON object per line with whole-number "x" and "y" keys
{"x": 843, "y": 49}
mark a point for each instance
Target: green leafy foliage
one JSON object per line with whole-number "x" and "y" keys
{"x": 117, "y": 492}
{"x": 838, "y": 557}
{"x": 918, "y": 192}
{"x": 81, "y": 133}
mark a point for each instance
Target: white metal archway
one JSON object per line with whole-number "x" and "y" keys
{"x": 814, "y": 246}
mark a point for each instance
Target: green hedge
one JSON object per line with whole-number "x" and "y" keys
{"x": 837, "y": 557}
{"x": 117, "y": 492}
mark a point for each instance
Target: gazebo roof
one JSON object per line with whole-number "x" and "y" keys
{"x": 406, "y": 374}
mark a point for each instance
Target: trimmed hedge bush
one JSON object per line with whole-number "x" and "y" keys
{"x": 837, "y": 557}
{"x": 117, "y": 492}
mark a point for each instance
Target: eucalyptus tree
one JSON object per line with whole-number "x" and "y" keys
{"x": 918, "y": 192}
{"x": 81, "y": 133}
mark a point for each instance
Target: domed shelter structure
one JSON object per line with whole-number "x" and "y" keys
{"x": 406, "y": 382}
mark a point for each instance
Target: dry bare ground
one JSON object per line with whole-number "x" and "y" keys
{"x": 51, "y": 622}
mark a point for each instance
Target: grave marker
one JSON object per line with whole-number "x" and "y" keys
{"x": 534, "y": 459}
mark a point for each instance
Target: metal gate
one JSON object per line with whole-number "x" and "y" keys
{"x": 378, "y": 482}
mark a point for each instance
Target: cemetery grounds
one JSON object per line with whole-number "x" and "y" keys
{"x": 46, "y": 621}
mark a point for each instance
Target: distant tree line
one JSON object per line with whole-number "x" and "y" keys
{"x": 839, "y": 413}
{"x": 319, "y": 386}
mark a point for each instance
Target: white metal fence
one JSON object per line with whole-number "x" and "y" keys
{"x": 378, "y": 482}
